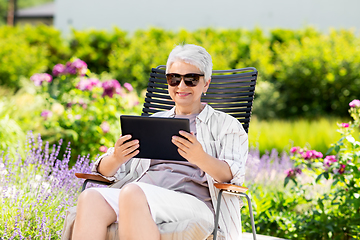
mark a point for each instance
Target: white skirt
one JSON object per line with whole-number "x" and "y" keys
{"x": 165, "y": 205}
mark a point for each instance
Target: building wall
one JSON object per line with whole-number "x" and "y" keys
{"x": 194, "y": 14}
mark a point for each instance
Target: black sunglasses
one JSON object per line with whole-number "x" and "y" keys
{"x": 190, "y": 79}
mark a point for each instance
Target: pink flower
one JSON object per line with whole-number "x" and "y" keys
{"x": 354, "y": 103}
{"x": 311, "y": 154}
{"x": 294, "y": 149}
{"x": 70, "y": 68}
{"x": 58, "y": 69}
{"x": 329, "y": 160}
{"x": 345, "y": 125}
{"x": 292, "y": 172}
{"x": 88, "y": 84}
{"x": 111, "y": 87}
{"x": 46, "y": 114}
{"x": 39, "y": 78}
{"x": 103, "y": 149}
{"x": 342, "y": 169}
{"x": 128, "y": 87}
{"x": 105, "y": 127}
{"x": 80, "y": 66}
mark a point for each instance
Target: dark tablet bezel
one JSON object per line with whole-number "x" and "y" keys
{"x": 154, "y": 135}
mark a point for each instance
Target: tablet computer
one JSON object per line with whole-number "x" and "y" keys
{"x": 154, "y": 135}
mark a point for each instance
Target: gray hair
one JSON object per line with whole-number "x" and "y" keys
{"x": 194, "y": 55}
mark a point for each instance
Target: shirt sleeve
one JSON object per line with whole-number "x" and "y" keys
{"x": 234, "y": 149}
{"x": 121, "y": 172}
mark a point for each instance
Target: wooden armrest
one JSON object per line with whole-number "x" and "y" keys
{"x": 92, "y": 177}
{"x": 230, "y": 187}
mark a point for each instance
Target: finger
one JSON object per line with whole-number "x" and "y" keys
{"x": 190, "y": 136}
{"x": 133, "y": 154}
{"x": 122, "y": 139}
{"x": 129, "y": 144}
{"x": 129, "y": 150}
{"x": 182, "y": 153}
{"x": 180, "y": 142}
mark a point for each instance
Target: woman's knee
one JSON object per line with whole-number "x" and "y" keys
{"x": 132, "y": 194}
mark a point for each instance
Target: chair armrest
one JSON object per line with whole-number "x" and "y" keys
{"x": 230, "y": 187}
{"x": 94, "y": 177}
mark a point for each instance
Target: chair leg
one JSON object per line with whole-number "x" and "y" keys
{"x": 84, "y": 185}
{"x": 251, "y": 214}
{"x": 217, "y": 214}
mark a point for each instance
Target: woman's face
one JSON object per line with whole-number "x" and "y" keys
{"x": 184, "y": 96}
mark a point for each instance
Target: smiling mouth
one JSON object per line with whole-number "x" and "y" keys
{"x": 182, "y": 94}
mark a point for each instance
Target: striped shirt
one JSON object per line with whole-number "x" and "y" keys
{"x": 221, "y": 136}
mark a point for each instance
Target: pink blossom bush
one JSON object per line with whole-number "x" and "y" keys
{"x": 39, "y": 78}
{"x": 111, "y": 87}
{"x": 354, "y": 103}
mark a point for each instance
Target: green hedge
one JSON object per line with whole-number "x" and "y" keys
{"x": 303, "y": 73}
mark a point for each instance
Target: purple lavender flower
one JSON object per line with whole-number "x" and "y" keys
{"x": 354, "y": 103}
{"x": 46, "y": 114}
{"x": 128, "y": 87}
{"x": 39, "y": 78}
{"x": 105, "y": 127}
{"x": 111, "y": 87}
{"x": 58, "y": 69}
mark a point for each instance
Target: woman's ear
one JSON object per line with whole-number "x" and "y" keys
{"x": 207, "y": 84}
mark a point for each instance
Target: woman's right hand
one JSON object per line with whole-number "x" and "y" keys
{"x": 124, "y": 150}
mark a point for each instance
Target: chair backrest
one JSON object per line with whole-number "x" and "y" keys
{"x": 230, "y": 91}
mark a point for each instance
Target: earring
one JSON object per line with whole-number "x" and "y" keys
{"x": 204, "y": 93}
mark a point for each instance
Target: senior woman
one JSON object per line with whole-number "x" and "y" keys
{"x": 151, "y": 192}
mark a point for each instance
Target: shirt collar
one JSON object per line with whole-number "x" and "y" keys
{"x": 203, "y": 116}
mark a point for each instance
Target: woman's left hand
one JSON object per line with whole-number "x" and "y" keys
{"x": 189, "y": 148}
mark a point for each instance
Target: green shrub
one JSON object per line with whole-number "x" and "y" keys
{"x": 18, "y": 58}
{"x": 95, "y": 47}
{"x": 26, "y": 50}
{"x": 317, "y": 75}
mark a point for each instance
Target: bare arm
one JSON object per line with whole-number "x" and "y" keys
{"x": 123, "y": 152}
{"x": 192, "y": 151}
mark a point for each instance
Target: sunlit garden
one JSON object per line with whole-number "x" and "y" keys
{"x": 61, "y": 98}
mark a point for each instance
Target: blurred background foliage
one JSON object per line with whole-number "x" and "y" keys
{"x": 303, "y": 73}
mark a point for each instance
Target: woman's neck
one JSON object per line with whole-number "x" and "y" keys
{"x": 180, "y": 110}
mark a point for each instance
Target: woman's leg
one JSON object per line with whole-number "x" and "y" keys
{"x": 135, "y": 220}
{"x": 93, "y": 216}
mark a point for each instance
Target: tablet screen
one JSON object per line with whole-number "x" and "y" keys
{"x": 154, "y": 135}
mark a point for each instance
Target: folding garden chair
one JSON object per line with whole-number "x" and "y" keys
{"x": 230, "y": 91}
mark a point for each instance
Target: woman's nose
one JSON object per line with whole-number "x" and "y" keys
{"x": 182, "y": 83}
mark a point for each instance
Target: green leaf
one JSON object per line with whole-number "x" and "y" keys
{"x": 337, "y": 148}
{"x": 319, "y": 177}
{"x": 286, "y": 181}
{"x": 326, "y": 175}
{"x": 329, "y": 151}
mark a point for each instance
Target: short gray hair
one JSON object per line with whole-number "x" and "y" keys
{"x": 194, "y": 55}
